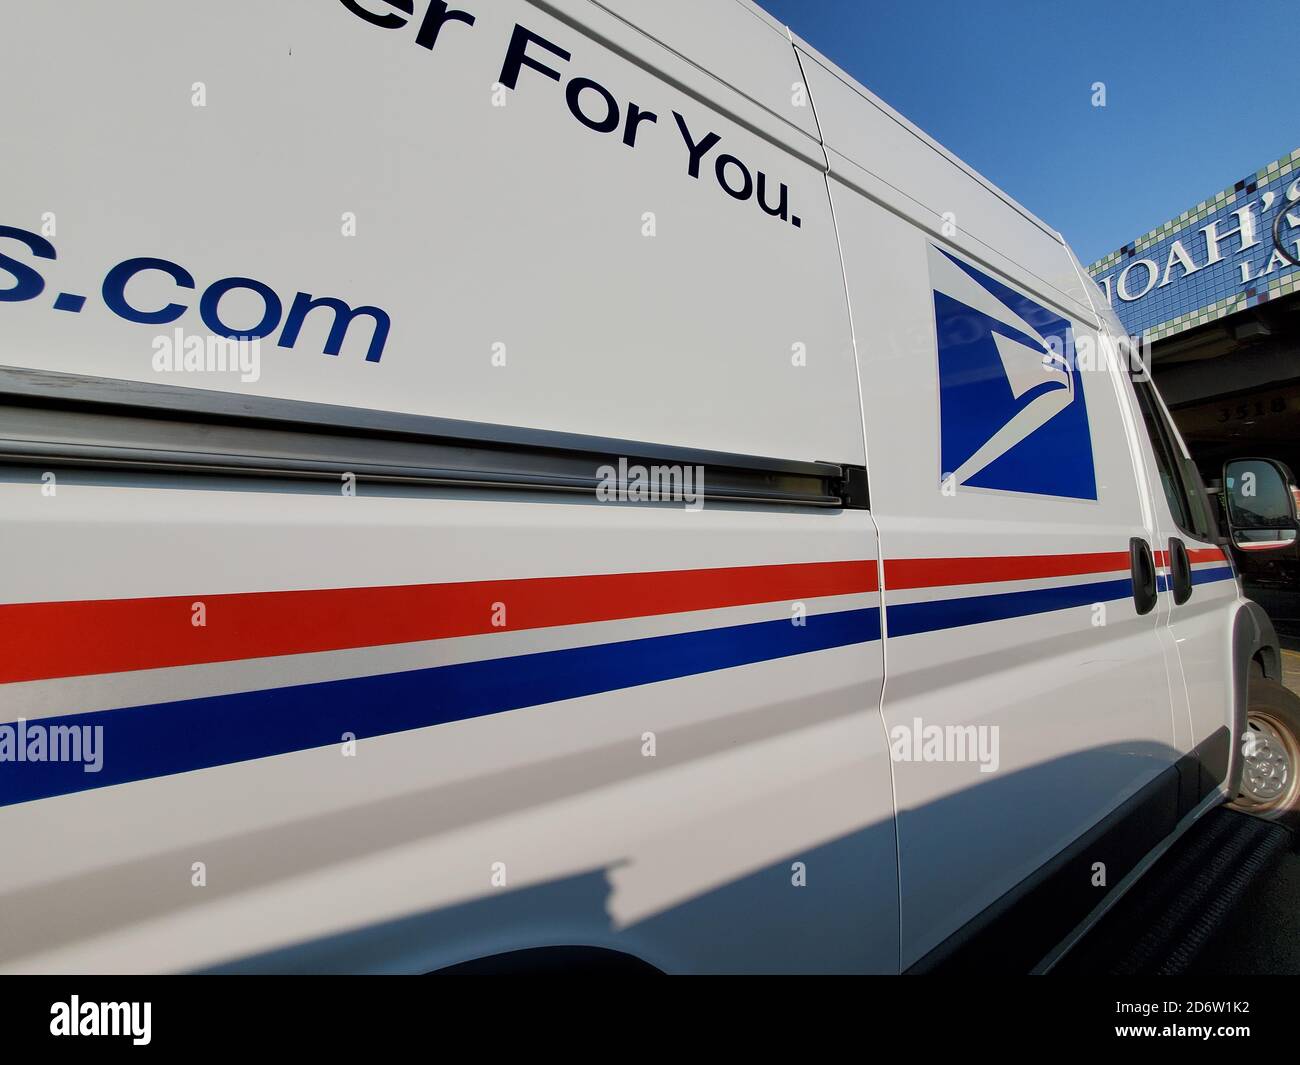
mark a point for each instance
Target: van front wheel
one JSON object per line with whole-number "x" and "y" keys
{"x": 1270, "y": 779}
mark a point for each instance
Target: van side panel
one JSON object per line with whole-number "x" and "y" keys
{"x": 398, "y": 727}
{"x": 524, "y": 239}
{"x": 1009, "y": 613}
{"x": 657, "y": 816}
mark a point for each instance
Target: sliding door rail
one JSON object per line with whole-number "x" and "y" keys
{"x": 70, "y": 419}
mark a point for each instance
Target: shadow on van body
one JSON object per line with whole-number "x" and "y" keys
{"x": 758, "y": 922}
{"x": 763, "y": 923}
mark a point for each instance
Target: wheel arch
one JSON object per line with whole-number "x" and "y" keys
{"x": 1253, "y": 640}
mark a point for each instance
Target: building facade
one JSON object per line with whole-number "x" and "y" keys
{"x": 1213, "y": 260}
{"x": 1216, "y": 292}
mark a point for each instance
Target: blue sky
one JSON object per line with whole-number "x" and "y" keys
{"x": 1196, "y": 98}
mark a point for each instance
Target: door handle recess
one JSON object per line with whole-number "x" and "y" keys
{"x": 1180, "y": 571}
{"x": 1143, "y": 567}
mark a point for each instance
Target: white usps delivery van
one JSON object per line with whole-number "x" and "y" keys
{"x": 570, "y": 476}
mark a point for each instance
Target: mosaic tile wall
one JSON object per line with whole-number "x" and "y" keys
{"x": 1211, "y": 291}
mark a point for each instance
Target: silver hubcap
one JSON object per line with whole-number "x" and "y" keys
{"x": 1269, "y": 757}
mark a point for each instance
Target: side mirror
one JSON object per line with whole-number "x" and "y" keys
{"x": 1261, "y": 502}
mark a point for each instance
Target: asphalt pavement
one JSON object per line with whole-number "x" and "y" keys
{"x": 1263, "y": 935}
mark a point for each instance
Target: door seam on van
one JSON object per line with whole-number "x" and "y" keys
{"x": 866, "y": 457}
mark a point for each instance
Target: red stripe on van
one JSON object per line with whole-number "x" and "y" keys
{"x": 901, "y": 573}
{"x": 1194, "y": 556}
{"x": 70, "y": 639}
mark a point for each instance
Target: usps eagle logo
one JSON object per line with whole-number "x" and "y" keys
{"x": 1012, "y": 413}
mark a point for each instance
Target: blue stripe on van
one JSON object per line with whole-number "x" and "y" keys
{"x": 907, "y": 619}
{"x": 167, "y": 738}
{"x": 1199, "y": 576}
{"x": 1206, "y": 576}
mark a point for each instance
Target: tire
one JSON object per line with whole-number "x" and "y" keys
{"x": 1270, "y": 784}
